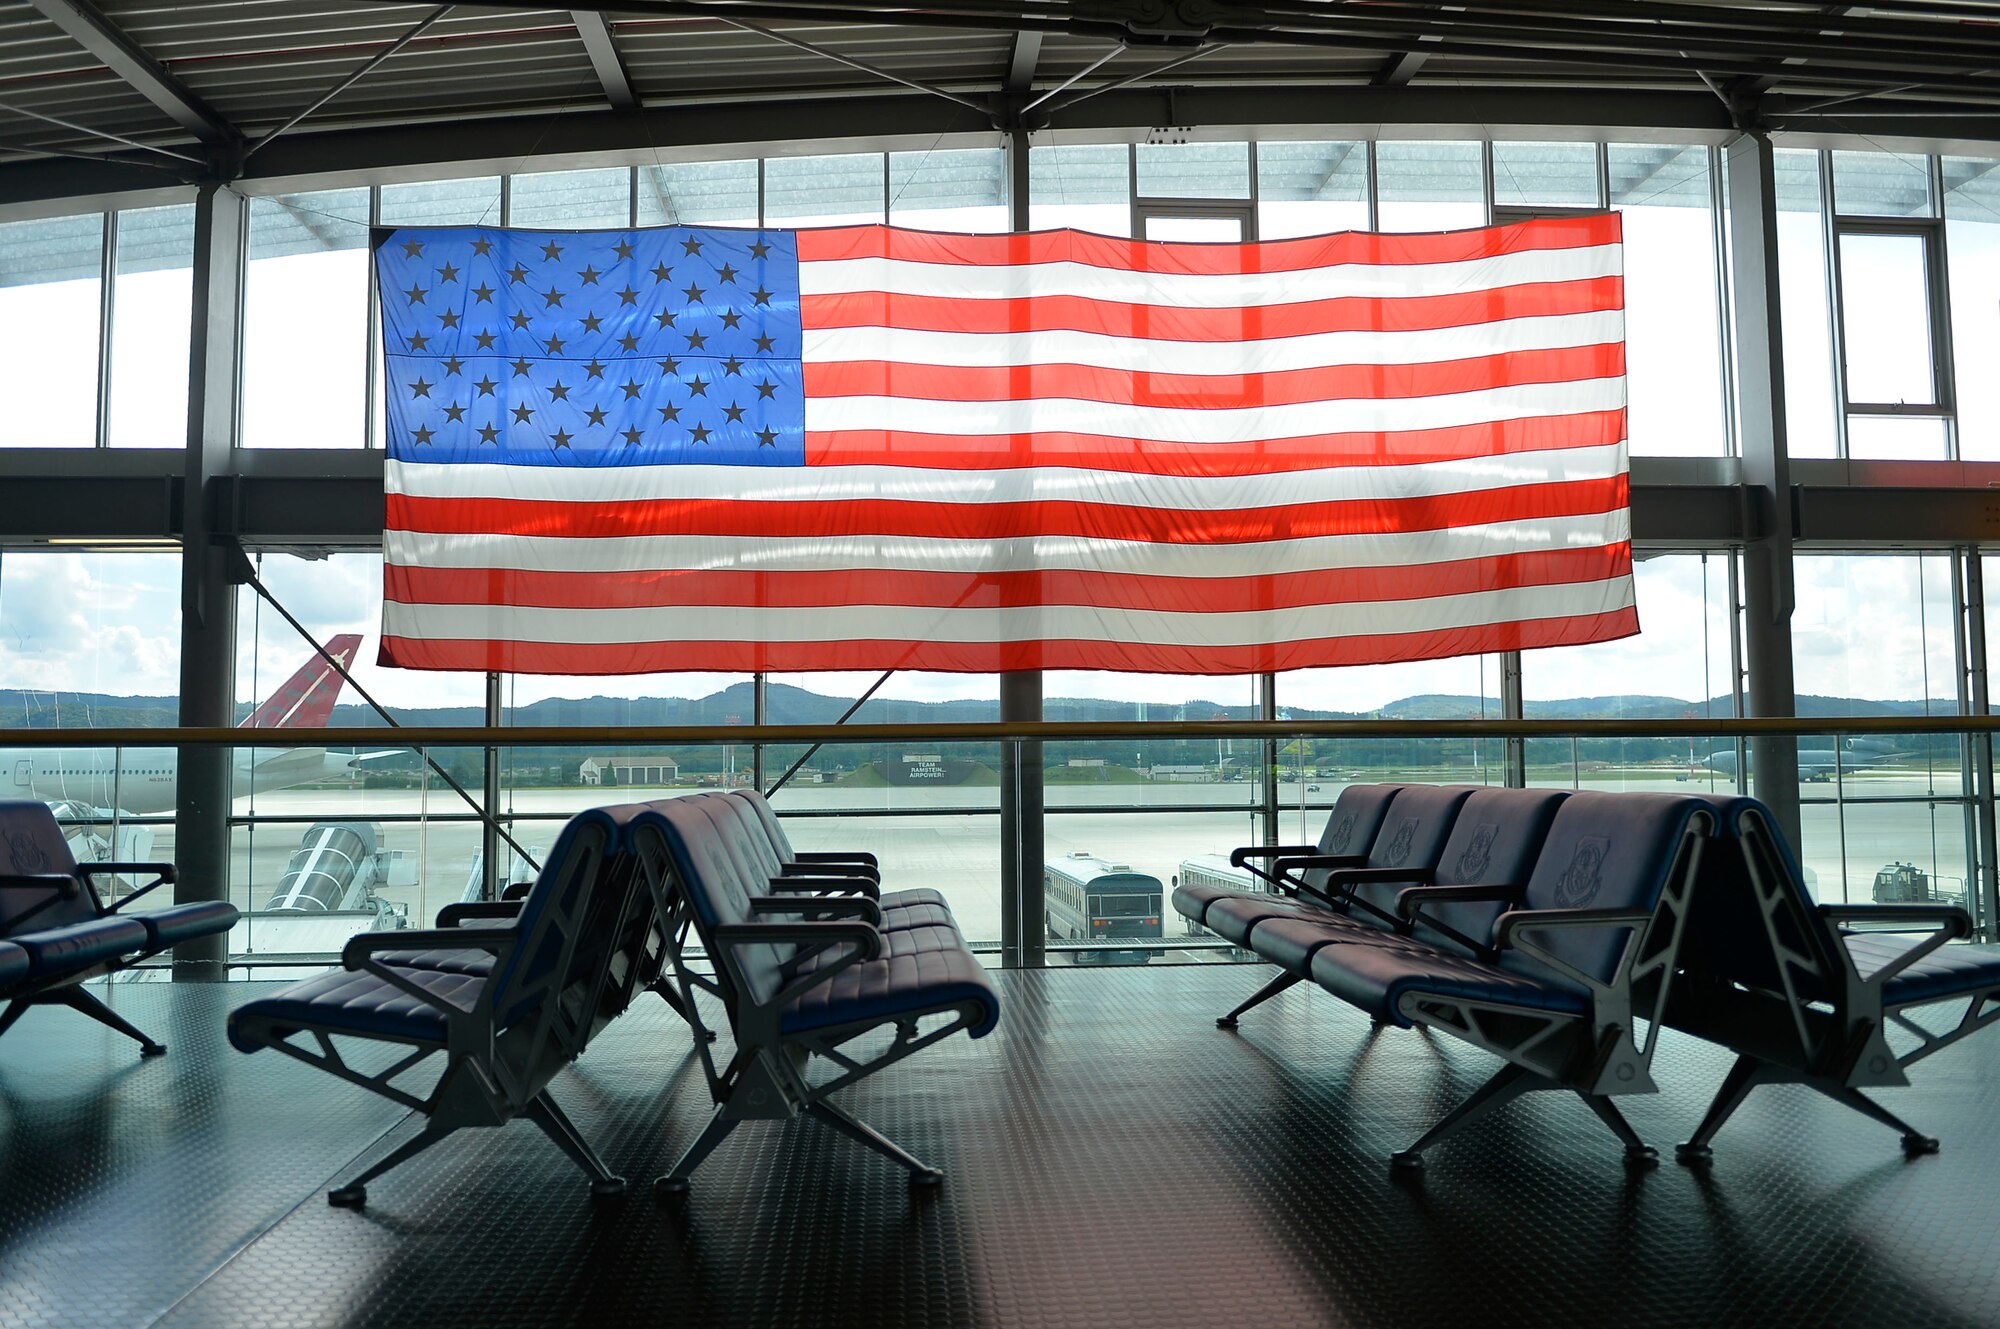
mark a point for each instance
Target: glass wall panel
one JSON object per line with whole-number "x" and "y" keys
{"x": 1873, "y": 635}
{"x": 1886, "y": 319}
{"x": 1529, "y": 175}
{"x": 823, "y": 191}
{"x": 1430, "y": 186}
{"x": 1087, "y": 187}
{"x": 51, "y": 297}
{"x": 1463, "y": 688}
{"x": 1311, "y": 188}
{"x": 1897, "y": 437}
{"x": 1972, "y": 246}
{"x": 1882, "y": 184}
{"x": 1194, "y": 170}
{"x": 305, "y": 378}
{"x": 1677, "y": 667}
{"x": 571, "y": 200}
{"x": 1672, "y": 338}
{"x": 963, "y": 189}
{"x": 1811, "y": 419}
{"x": 474, "y": 202}
{"x": 152, "y": 305}
{"x": 698, "y": 194}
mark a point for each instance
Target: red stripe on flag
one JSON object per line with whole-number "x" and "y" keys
{"x": 832, "y": 243}
{"x": 1309, "y": 452}
{"x": 1209, "y": 392}
{"x": 999, "y": 590}
{"x": 737, "y": 657}
{"x": 1046, "y": 313}
{"x": 1001, "y": 521}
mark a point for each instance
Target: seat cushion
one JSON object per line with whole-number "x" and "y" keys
{"x": 1289, "y": 943}
{"x": 181, "y": 922}
{"x": 896, "y": 917}
{"x": 1948, "y": 971}
{"x": 1374, "y": 977}
{"x": 350, "y": 1002}
{"x": 903, "y": 941}
{"x": 912, "y": 895}
{"x": 55, "y": 952}
{"x": 897, "y": 985}
{"x": 443, "y": 960}
{"x": 1233, "y": 916}
{"x": 1193, "y": 901}
{"x": 13, "y": 965}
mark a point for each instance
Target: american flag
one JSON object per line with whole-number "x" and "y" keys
{"x": 869, "y": 448}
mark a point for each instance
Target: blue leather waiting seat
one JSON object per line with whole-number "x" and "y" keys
{"x": 1352, "y": 895}
{"x": 561, "y": 969}
{"x": 1589, "y": 951}
{"x": 831, "y": 862}
{"x": 798, "y": 976}
{"x": 1783, "y": 981}
{"x": 1349, "y": 833}
{"x": 52, "y": 914}
{"x": 1495, "y": 836}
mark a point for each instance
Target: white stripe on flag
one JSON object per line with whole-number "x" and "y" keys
{"x": 1045, "y": 622}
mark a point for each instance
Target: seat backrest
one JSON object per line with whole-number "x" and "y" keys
{"x": 1353, "y": 824}
{"x": 695, "y": 837}
{"x": 1606, "y": 851}
{"x": 32, "y": 844}
{"x": 562, "y": 925}
{"x": 1727, "y": 939}
{"x": 1494, "y": 842}
{"x": 1415, "y": 826}
{"x": 773, "y": 828}
{"x": 753, "y": 839}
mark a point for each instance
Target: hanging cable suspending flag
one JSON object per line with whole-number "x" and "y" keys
{"x": 868, "y": 448}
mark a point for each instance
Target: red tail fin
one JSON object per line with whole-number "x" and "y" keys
{"x": 306, "y": 699}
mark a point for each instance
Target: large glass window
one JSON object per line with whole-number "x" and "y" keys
{"x": 1886, "y": 318}
{"x": 824, "y": 191}
{"x": 571, "y": 200}
{"x": 1311, "y": 188}
{"x": 698, "y": 194}
{"x": 472, "y": 202}
{"x": 305, "y": 321}
{"x": 1535, "y": 175}
{"x": 51, "y": 300}
{"x": 152, "y": 306}
{"x": 963, "y": 189}
{"x": 1812, "y": 425}
{"x": 1672, "y": 320}
{"x": 1194, "y": 170}
{"x": 1430, "y": 186}
{"x": 1972, "y": 240}
{"x": 1088, "y": 187}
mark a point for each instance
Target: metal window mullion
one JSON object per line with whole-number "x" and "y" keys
{"x": 107, "y": 299}
{"x": 1944, "y": 371}
{"x": 885, "y": 189}
{"x": 632, "y": 200}
{"x": 1132, "y": 189}
{"x": 1250, "y": 229}
{"x": 506, "y": 199}
{"x": 1739, "y": 674}
{"x": 1486, "y": 178}
{"x": 1374, "y": 187}
{"x": 369, "y": 382}
{"x": 1985, "y": 904}
{"x": 761, "y": 218}
{"x": 1836, "y": 331}
{"x": 1725, "y": 331}
{"x": 1604, "y": 177}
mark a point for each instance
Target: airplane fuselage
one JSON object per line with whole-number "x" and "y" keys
{"x": 143, "y": 780}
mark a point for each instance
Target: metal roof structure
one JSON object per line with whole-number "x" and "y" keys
{"x": 195, "y": 91}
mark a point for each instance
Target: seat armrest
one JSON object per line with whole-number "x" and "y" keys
{"x": 868, "y": 911}
{"x": 1240, "y": 857}
{"x": 1410, "y": 902}
{"x": 861, "y": 856}
{"x": 1949, "y": 921}
{"x": 59, "y": 886}
{"x": 163, "y": 873}
{"x": 359, "y": 956}
{"x": 860, "y": 886}
{"x": 476, "y": 911}
{"x": 1507, "y": 930}
{"x": 865, "y": 941}
{"x": 1341, "y": 880}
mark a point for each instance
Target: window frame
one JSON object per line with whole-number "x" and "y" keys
{"x": 1929, "y": 233}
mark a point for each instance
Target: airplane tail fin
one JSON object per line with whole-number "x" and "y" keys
{"x": 306, "y": 699}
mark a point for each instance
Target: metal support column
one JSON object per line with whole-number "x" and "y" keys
{"x": 1984, "y": 899}
{"x": 208, "y": 599}
{"x": 760, "y": 714}
{"x": 1515, "y": 773}
{"x": 489, "y": 832}
{"x": 1268, "y": 812}
{"x": 1760, "y": 399}
{"x": 1023, "y": 921}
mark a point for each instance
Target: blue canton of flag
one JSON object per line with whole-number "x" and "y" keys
{"x": 592, "y": 348}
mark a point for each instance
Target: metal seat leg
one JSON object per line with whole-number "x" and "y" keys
{"x": 1637, "y": 1152}
{"x": 78, "y": 1000}
{"x": 921, "y": 1173}
{"x": 1258, "y": 998}
{"x": 1914, "y": 1141}
{"x": 555, "y": 1124}
{"x": 355, "y": 1193}
{"x": 1744, "y": 1076}
{"x": 713, "y": 1134}
{"x": 1510, "y": 1082}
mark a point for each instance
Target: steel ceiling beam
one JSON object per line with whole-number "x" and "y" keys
{"x": 1021, "y": 65}
{"x": 124, "y": 57}
{"x": 595, "y": 30}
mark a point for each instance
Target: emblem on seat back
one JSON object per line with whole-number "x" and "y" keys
{"x": 1582, "y": 879}
{"x": 1477, "y": 854}
{"x": 28, "y": 856}
{"x": 1340, "y": 833}
{"x": 1399, "y": 848}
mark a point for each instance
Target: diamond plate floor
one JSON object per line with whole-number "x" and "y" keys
{"x": 1112, "y": 1159}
